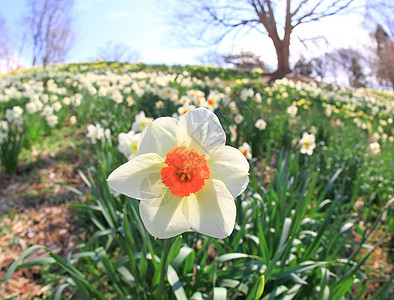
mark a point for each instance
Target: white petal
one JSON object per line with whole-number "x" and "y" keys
{"x": 212, "y": 210}
{"x": 163, "y": 217}
{"x": 200, "y": 129}
{"x": 158, "y": 136}
{"x": 140, "y": 177}
{"x": 232, "y": 168}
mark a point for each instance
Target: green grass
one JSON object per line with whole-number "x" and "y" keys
{"x": 296, "y": 222}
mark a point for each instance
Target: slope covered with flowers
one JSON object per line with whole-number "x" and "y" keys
{"x": 320, "y": 161}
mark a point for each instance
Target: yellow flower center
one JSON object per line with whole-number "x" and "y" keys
{"x": 134, "y": 146}
{"x": 143, "y": 123}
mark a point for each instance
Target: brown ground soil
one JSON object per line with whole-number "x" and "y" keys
{"x": 34, "y": 210}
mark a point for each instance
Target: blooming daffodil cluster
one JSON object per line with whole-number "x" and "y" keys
{"x": 14, "y": 115}
{"x": 185, "y": 176}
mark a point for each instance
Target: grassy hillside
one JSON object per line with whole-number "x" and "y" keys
{"x": 313, "y": 223}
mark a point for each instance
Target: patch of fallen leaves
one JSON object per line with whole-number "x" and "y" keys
{"x": 33, "y": 211}
{"x": 49, "y": 226}
{"x": 44, "y": 183}
{"x": 378, "y": 267}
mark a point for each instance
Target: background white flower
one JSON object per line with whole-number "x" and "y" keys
{"x": 246, "y": 150}
{"x": 52, "y": 120}
{"x": 128, "y": 143}
{"x": 238, "y": 119}
{"x": 140, "y": 122}
{"x": 292, "y": 110}
{"x": 374, "y": 147}
{"x": 95, "y": 132}
{"x": 307, "y": 143}
{"x": 260, "y": 124}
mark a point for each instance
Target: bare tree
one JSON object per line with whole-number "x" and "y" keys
{"x": 303, "y": 67}
{"x": 118, "y": 52}
{"x": 319, "y": 67}
{"x": 48, "y": 23}
{"x": 210, "y": 21}
{"x": 245, "y": 61}
{"x": 384, "y": 62}
{"x": 352, "y": 63}
{"x": 316, "y": 68}
{"x": 380, "y": 12}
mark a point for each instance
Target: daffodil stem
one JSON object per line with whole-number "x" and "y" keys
{"x": 167, "y": 245}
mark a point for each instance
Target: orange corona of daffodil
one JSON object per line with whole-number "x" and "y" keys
{"x": 185, "y": 176}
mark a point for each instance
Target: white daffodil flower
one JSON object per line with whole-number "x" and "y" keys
{"x": 128, "y": 143}
{"x": 52, "y": 120}
{"x": 246, "y": 150}
{"x": 260, "y": 124}
{"x": 185, "y": 176}
{"x": 140, "y": 122}
{"x": 307, "y": 143}
{"x": 374, "y": 147}
{"x": 292, "y": 110}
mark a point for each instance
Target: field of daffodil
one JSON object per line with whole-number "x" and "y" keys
{"x": 204, "y": 183}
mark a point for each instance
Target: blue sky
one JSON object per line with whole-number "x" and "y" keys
{"x": 135, "y": 23}
{"x": 140, "y": 25}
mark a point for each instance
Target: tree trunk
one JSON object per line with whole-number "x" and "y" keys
{"x": 282, "y": 48}
{"x": 283, "y": 52}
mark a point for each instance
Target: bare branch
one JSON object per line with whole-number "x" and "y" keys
{"x": 118, "y": 52}
{"x": 48, "y": 23}
{"x": 223, "y": 22}
{"x": 299, "y": 7}
{"x": 314, "y": 15}
{"x": 204, "y": 20}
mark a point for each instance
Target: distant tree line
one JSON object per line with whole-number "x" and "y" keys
{"x": 361, "y": 69}
{"x": 374, "y": 68}
{"x": 357, "y": 66}
{"x": 217, "y": 20}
